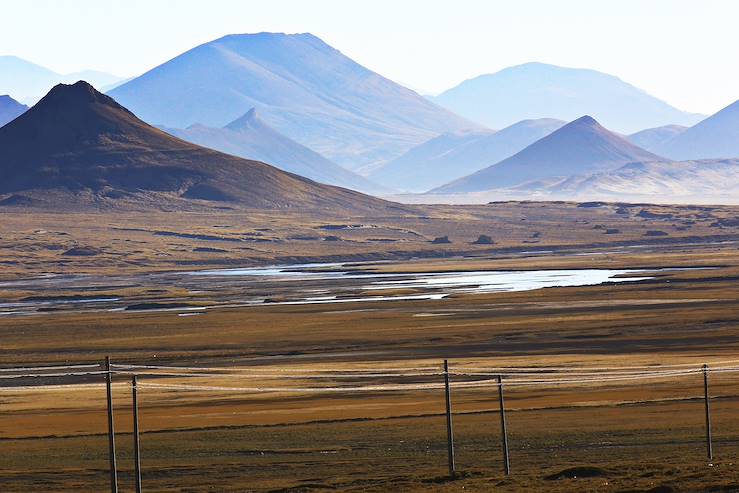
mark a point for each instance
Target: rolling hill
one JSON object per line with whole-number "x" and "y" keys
{"x": 27, "y": 81}
{"x": 302, "y": 87}
{"x": 251, "y": 138}
{"x": 579, "y": 148}
{"x": 453, "y": 155}
{"x": 538, "y": 90}
{"x": 715, "y": 137}
{"x": 702, "y": 181}
{"x": 78, "y": 146}
{"x": 10, "y": 109}
{"x": 653, "y": 139}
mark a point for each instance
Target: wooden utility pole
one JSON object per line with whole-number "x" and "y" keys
{"x": 449, "y": 428}
{"x": 503, "y": 427}
{"x": 709, "y": 438}
{"x": 136, "y": 449}
{"x": 111, "y": 428}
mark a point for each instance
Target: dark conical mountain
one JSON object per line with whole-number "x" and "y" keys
{"x": 304, "y": 88}
{"x": 80, "y": 143}
{"x": 453, "y": 155}
{"x": 715, "y": 137}
{"x": 10, "y": 109}
{"x": 252, "y": 138}
{"x": 580, "y": 147}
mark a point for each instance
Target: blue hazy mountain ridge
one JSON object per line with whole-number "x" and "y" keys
{"x": 652, "y": 139}
{"x": 28, "y": 81}
{"x": 456, "y": 154}
{"x": 10, "y": 109}
{"x": 581, "y": 147}
{"x": 304, "y": 88}
{"x": 538, "y": 90}
{"x": 715, "y": 137}
{"x": 250, "y": 137}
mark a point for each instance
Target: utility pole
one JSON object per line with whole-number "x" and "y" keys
{"x": 111, "y": 428}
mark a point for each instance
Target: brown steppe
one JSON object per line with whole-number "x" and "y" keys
{"x": 622, "y": 436}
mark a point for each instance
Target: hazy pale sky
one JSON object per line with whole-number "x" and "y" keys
{"x": 683, "y": 51}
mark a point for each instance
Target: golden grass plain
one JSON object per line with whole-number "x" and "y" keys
{"x": 627, "y": 436}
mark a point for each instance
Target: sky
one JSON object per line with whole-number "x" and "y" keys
{"x": 682, "y": 51}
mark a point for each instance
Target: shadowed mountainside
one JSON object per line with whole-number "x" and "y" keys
{"x": 580, "y": 147}
{"x": 251, "y": 138}
{"x": 539, "y": 90}
{"x": 78, "y": 145}
{"x": 453, "y": 155}
{"x": 10, "y": 109}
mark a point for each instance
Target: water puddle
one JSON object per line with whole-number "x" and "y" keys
{"x": 306, "y": 284}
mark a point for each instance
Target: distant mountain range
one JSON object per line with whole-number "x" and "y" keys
{"x": 10, "y": 109}
{"x": 28, "y": 82}
{"x": 538, "y": 90}
{"x": 715, "y": 137}
{"x": 296, "y": 103}
{"x": 301, "y": 86}
{"x": 580, "y": 147}
{"x": 250, "y": 137}
{"x": 457, "y": 154}
{"x": 78, "y": 147}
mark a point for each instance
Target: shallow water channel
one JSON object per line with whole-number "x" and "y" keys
{"x": 289, "y": 284}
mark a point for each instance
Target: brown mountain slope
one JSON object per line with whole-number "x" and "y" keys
{"x": 78, "y": 143}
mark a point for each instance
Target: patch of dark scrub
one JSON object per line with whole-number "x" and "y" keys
{"x": 663, "y": 488}
{"x": 68, "y": 298}
{"x": 208, "y": 250}
{"x": 82, "y": 251}
{"x": 483, "y": 240}
{"x": 447, "y": 479}
{"x": 656, "y": 232}
{"x": 335, "y": 227}
{"x": 577, "y": 472}
{"x": 193, "y": 236}
{"x": 653, "y": 215}
{"x": 207, "y": 192}
{"x": 439, "y": 240}
{"x": 303, "y": 488}
{"x": 304, "y": 238}
{"x": 725, "y": 223}
{"x": 157, "y": 306}
{"x": 723, "y": 488}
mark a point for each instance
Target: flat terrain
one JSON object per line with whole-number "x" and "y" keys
{"x": 619, "y": 436}
{"x": 36, "y": 241}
